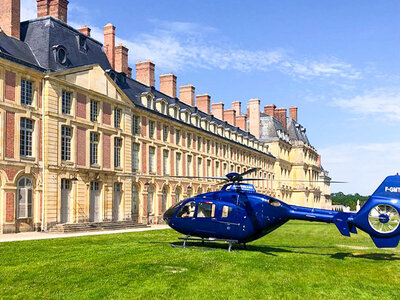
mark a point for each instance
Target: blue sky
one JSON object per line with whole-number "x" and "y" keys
{"x": 338, "y": 61}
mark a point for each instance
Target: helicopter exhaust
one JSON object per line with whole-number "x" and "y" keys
{"x": 379, "y": 216}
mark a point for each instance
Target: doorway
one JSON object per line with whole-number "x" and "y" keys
{"x": 65, "y": 200}
{"x": 116, "y": 200}
{"x": 94, "y": 208}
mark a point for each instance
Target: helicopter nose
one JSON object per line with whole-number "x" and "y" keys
{"x": 169, "y": 213}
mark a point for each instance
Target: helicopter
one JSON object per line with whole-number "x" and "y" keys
{"x": 237, "y": 214}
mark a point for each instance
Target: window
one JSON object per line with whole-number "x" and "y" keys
{"x": 178, "y": 164}
{"x": 225, "y": 168}
{"x": 117, "y": 152}
{"x": 199, "y": 167}
{"x": 151, "y": 129}
{"x": 152, "y": 151}
{"x": 66, "y": 102}
{"x": 216, "y": 149}
{"x": 165, "y": 133}
{"x": 66, "y": 136}
{"x": 164, "y": 199}
{"x": 217, "y": 173}
{"x": 208, "y": 169}
{"x": 135, "y": 200}
{"x": 187, "y": 211}
{"x": 163, "y": 107}
{"x": 26, "y": 92}
{"x": 24, "y": 201}
{"x": 208, "y": 146}
{"x": 149, "y": 102}
{"x": 198, "y": 143}
{"x": 224, "y": 149}
{"x": 189, "y": 166}
{"x": 165, "y": 161}
{"x": 26, "y": 130}
{"x": 135, "y": 125}
{"x": 94, "y": 110}
{"x": 94, "y": 143}
{"x": 135, "y": 157}
{"x": 189, "y": 140}
{"x": 117, "y": 117}
{"x": 226, "y": 210}
{"x": 177, "y": 136}
{"x": 205, "y": 210}
{"x": 150, "y": 200}
{"x": 175, "y": 113}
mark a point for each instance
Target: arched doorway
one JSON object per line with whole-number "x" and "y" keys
{"x": 24, "y": 204}
{"x": 135, "y": 202}
{"x": 117, "y": 200}
{"x": 164, "y": 199}
{"x": 150, "y": 200}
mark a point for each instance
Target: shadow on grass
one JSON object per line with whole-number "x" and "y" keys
{"x": 274, "y": 251}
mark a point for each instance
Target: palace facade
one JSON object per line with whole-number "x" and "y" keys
{"x": 82, "y": 141}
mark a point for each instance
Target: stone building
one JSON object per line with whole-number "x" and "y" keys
{"x": 82, "y": 141}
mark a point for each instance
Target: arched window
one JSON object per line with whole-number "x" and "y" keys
{"x": 199, "y": 191}
{"x": 150, "y": 199}
{"x": 178, "y": 195}
{"x": 189, "y": 191}
{"x": 24, "y": 202}
{"x": 164, "y": 198}
{"x": 135, "y": 200}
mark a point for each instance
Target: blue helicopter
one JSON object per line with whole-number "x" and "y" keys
{"x": 238, "y": 214}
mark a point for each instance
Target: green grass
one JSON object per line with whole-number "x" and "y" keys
{"x": 299, "y": 260}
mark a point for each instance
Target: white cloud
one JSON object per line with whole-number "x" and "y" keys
{"x": 381, "y": 103}
{"x": 28, "y": 9}
{"x": 363, "y": 165}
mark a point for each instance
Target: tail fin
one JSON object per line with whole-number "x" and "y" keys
{"x": 380, "y": 215}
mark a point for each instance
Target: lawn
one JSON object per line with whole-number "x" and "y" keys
{"x": 298, "y": 260}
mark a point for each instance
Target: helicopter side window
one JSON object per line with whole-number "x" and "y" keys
{"x": 187, "y": 211}
{"x": 206, "y": 210}
{"x": 226, "y": 210}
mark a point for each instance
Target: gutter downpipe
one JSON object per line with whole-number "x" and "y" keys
{"x": 43, "y": 153}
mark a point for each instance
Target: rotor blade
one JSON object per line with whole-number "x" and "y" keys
{"x": 249, "y": 171}
{"x": 288, "y": 180}
{"x": 190, "y": 177}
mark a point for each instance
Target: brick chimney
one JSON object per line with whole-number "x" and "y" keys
{"x": 85, "y": 30}
{"x": 203, "y": 103}
{"x": 121, "y": 59}
{"x": 168, "y": 84}
{"x": 109, "y": 43}
{"x": 186, "y": 94}
{"x": 253, "y": 114}
{"x": 270, "y": 110}
{"x": 230, "y": 116}
{"x": 241, "y": 122}
{"x": 237, "y": 107}
{"x": 217, "y": 110}
{"x": 145, "y": 72}
{"x": 10, "y": 17}
{"x": 293, "y": 112}
{"x": 55, "y": 8}
{"x": 280, "y": 115}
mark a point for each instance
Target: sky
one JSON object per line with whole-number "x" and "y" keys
{"x": 338, "y": 61}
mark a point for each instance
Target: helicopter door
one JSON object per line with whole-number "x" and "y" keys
{"x": 205, "y": 219}
{"x": 229, "y": 220}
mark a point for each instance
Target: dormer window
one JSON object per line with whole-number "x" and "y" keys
{"x": 60, "y": 54}
{"x": 149, "y": 102}
{"x": 163, "y": 107}
{"x": 82, "y": 43}
{"x": 175, "y": 113}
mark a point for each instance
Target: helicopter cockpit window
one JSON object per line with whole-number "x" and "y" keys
{"x": 206, "y": 210}
{"x": 226, "y": 210}
{"x": 187, "y": 211}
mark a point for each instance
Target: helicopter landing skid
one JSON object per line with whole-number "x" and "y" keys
{"x": 188, "y": 237}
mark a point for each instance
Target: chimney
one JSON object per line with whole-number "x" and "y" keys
{"x": 145, "y": 72}
{"x": 217, "y": 110}
{"x": 230, "y": 116}
{"x": 55, "y": 8}
{"x": 319, "y": 160}
{"x": 10, "y": 17}
{"x": 203, "y": 103}
{"x": 293, "y": 112}
{"x": 241, "y": 122}
{"x": 280, "y": 115}
{"x": 270, "y": 110}
{"x": 121, "y": 59}
{"x": 168, "y": 84}
{"x": 253, "y": 114}
{"x": 186, "y": 94}
{"x": 129, "y": 74}
{"x": 85, "y": 30}
{"x": 109, "y": 43}
{"x": 237, "y": 107}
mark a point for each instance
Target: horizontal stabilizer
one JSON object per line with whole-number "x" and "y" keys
{"x": 341, "y": 223}
{"x": 391, "y": 242}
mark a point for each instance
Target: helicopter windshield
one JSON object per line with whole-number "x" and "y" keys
{"x": 187, "y": 211}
